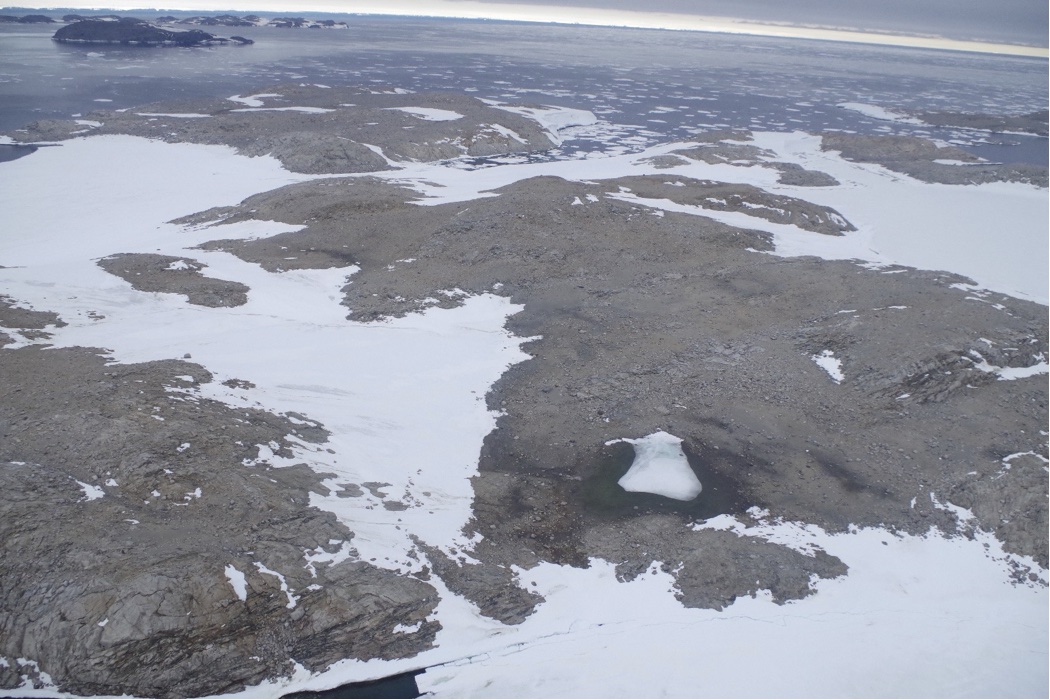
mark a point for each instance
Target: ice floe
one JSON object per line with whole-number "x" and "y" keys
{"x": 660, "y": 467}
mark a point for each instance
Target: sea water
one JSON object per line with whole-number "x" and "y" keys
{"x": 656, "y": 85}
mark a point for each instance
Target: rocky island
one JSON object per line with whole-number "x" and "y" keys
{"x": 136, "y": 32}
{"x": 26, "y": 19}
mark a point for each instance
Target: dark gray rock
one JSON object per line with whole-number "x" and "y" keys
{"x": 129, "y": 30}
{"x": 29, "y": 323}
{"x": 916, "y": 157}
{"x": 128, "y": 593}
{"x": 674, "y": 323}
{"x": 148, "y": 272}
{"x": 1033, "y": 123}
{"x": 343, "y": 134}
{"x": 491, "y": 587}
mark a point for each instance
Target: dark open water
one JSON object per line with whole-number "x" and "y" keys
{"x": 661, "y": 84}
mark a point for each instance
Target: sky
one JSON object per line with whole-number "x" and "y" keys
{"x": 872, "y": 21}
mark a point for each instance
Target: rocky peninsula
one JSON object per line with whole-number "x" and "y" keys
{"x": 640, "y": 318}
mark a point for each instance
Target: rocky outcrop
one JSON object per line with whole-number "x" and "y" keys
{"x": 676, "y": 323}
{"x": 148, "y": 272}
{"x": 721, "y": 147}
{"x": 745, "y": 199}
{"x": 26, "y": 19}
{"x": 28, "y": 323}
{"x": 145, "y": 550}
{"x": 1034, "y": 123}
{"x": 930, "y": 162}
{"x": 323, "y": 130}
{"x": 494, "y": 588}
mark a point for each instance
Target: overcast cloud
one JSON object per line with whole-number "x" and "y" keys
{"x": 1011, "y": 21}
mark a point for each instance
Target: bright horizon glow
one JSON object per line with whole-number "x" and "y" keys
{"x": 633, "y": 19}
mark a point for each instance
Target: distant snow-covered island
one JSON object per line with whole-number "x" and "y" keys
{"x": 255, "y": 21}
{"x": 129, "y": 30}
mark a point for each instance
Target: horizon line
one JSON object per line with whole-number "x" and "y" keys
{"x": 625, "y": 19}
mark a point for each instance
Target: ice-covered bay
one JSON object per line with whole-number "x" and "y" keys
{"x": 404, "y": 401}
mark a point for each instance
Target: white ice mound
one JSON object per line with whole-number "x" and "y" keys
{"x": 660, "y": 467}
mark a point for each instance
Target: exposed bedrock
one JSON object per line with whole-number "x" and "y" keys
{"x": 675, "y": 322}
{"x": 928, "y": 161}
{"x": 321, "y": 130}
{"x": 128, "y": 510}
{"x": 1033, "y": 123}
{"x": 149, "y": 272}
{"x": 721, "y": 147}
{"x": 26, "y": 322}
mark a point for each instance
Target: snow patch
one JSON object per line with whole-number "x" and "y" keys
{"x": 91, "y": 493}
{"x": 552, "y": 119}
{"x": 254, "y": 100}
{"x": 304, "y": 110}
{"x": 173, "y": 115}
{"x": 292, "y": 600}
{"x": 430, "y": 114}
{"x": 827, "y": 361}
{"x": 236, "y": 578}
{"x": 881, "y": 113}
{"x": 1011, "y": 373}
